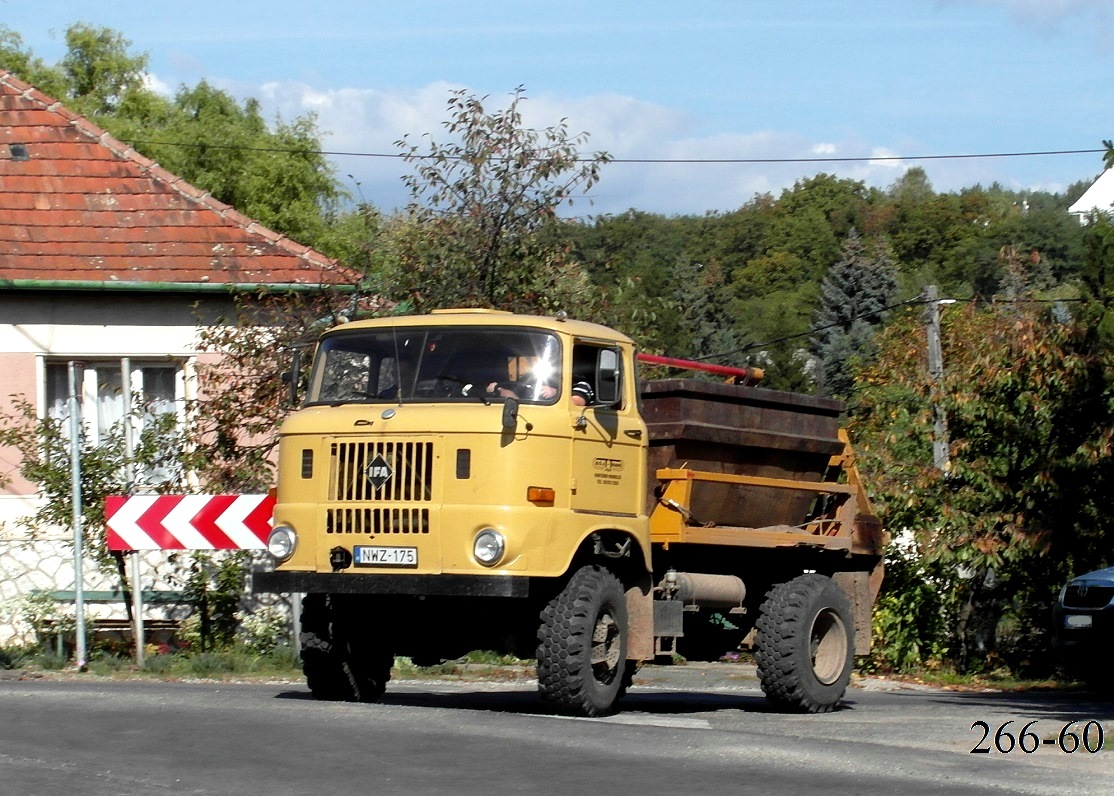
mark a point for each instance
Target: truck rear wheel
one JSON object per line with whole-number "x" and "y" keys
{"x": 340, "y": 662}
{"x": 582, "y": 645}
{"x": 804, "y": 645}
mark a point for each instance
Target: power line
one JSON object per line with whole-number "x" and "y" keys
{"x": 864, "y": 159}
{"x": 663, "y": 161}
{"x": 809, "y": 333}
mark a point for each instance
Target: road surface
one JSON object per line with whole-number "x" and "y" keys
{"x": 701, "y": 730}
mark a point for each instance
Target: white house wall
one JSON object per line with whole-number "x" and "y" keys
{"x": 44, "y": 562}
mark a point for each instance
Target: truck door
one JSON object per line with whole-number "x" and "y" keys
{"x": 608, "y": 435}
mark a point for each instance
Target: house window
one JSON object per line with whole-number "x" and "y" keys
{"x": 156, "y": 389}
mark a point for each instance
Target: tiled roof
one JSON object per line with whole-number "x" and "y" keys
{"x": 78, "y": 205}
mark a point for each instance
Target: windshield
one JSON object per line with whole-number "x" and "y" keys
{"x": 436, "y": 364}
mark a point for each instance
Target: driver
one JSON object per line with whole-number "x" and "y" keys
{"x": 523, "y": 381}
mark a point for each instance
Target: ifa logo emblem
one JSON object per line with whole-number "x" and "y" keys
{"x": 379, "y": 471}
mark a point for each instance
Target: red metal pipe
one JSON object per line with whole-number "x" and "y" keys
{"x": 742, "y": 374}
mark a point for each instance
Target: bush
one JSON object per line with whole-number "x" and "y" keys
{"x": 14, "y": 657}
{"x": 910, "y": 620}
{"x": 263, "y": 630}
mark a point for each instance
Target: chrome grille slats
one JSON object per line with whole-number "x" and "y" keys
{"x": 380, "y": 512}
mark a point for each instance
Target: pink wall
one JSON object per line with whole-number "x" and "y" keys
{"x": 17, "y": 378}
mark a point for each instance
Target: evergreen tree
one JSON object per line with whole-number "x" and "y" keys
{"x": 854, "y": 297}
{"x": 712, "y": 336}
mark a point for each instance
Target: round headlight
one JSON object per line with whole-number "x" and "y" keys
{"x": 488, "y": 547}
{"x": 281, "y": 542}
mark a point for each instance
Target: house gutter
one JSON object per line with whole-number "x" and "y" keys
{"x": 168, "y": 287}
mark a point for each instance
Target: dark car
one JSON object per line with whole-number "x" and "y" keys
{"x": 1083, "y": 625}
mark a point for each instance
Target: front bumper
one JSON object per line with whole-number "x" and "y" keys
{"x": 422, "y": 585}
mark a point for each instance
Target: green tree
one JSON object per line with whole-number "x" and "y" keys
{"x": 1097, "y": 273}
{"x": 1030, "y": 407}
{"x": 854, "y": 297}
{"x": 275, "y": 174}
{"x": 99, "y": 70}
{"x": 44, "y": 448}
{"x": 630, "y": 258}
{"x": 107, "y": 468}
{"x": 14, "y": 57}
{"x": 478, "y": 204}
{"x": 712, "y": 336}
{"x": 243, "y": 388}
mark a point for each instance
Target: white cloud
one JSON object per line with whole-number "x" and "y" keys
{"x": 1091, "y": 18}
{"x": 152, "y": 82}
{"x": 684, "y": 175}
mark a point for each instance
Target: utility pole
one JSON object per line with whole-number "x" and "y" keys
{"x": 936, "y": 373}
{"x": 77, "y": 380}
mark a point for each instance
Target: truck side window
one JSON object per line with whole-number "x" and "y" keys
{"x": 599, "y": 367}
{"x": 609, "y": 378}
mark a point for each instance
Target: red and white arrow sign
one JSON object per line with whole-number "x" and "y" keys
{"x": 188, "y": 522}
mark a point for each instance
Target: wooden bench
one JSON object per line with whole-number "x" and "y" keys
{"x": 155, "y": 631}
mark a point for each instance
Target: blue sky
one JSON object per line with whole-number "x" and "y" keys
{"x": 704, "y": 79}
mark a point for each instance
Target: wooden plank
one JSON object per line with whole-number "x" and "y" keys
{"x": 755, "y": 537}
{"x": 822, "y": 487}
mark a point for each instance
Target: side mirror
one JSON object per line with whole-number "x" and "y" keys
{"x": 608, "y": 377}
{"x": 510, "y": 414}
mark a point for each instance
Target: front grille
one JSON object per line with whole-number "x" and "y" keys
{"x": 378, "y": 521}
{"x": 410, "y": 467}
{"x": 1087, "y": 596}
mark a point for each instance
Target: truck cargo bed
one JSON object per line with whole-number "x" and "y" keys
{"x": 743, "y": 431}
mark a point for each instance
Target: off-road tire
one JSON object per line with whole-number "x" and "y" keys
{"x": 805, "y": 644}
{"x": 340, "y": 662}
{"x": 582, "y": 645}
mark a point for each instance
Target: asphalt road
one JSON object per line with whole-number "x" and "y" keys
{"x": 689, "y": 730}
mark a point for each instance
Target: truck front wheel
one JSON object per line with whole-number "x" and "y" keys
{"x": 804, "y": 644}
{"x": 341, "y": 661}
{"x": 582, "y": 645}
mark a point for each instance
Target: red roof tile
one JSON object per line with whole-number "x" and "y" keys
{"x": 84, "y": 206}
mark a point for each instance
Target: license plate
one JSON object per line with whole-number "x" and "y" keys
{"x": 365, "y": 556}
{"x": 1077, "y": 620}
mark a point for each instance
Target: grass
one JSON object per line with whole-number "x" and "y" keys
{"x": 283, "y": 663}
{"x": 998, "y": 680}
{"x": 217, "y": 665}
{"x": 240, "y": 663}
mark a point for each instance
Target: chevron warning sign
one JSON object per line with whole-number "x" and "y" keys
{"x": 188, "y": 522}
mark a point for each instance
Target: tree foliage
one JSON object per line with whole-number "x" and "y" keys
{"x": 479, "y": 202}
{"x": 855, "y": 296}
{"x": 1030, "y": 407}
{"x": 106, "y": 468}
{"x": 275, "y": 174}
{"x": 242, "y": 394}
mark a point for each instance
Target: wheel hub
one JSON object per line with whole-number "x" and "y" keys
{"x": 605, "y": 646}
{"x": 828, "y": 646}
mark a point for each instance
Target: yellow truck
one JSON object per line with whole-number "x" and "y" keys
{"x": 473, "y": 479}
